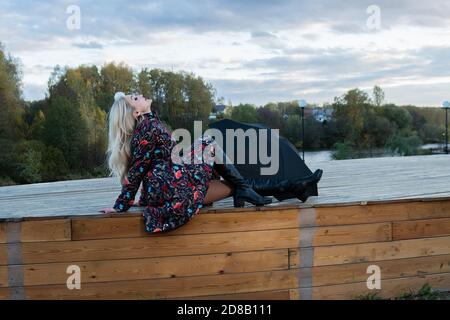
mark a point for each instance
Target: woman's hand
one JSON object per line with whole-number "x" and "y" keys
{"x": 107, "y": 210}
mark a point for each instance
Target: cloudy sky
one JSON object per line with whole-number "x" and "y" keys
{"x": 252, "y": 51}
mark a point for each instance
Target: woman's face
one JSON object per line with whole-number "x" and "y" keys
{"x": 139, "y": 103}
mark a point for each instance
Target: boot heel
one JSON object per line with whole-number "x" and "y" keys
{"x": 238, "y": 202}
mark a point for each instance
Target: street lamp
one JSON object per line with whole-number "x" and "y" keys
{"x": 302, "y": 103}
{"x": 446, "y": 106}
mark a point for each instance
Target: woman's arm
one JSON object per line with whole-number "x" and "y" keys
{"x": 140, "y": 163}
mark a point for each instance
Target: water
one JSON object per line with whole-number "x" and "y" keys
{"x": 317, "y": 156}
{"x": 433, "y": 146}
{"x": 325, "y": 155}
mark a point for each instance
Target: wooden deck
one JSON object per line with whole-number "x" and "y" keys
{"x": 390, "y": 212}
{"x": 343, "y": 182}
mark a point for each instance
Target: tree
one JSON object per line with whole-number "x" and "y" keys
{"x": 378, "y": 96}
{"x": 11, "y": 108}
{"x": 65, "y": 129}
{"x": 244, "y": 113}
{"x": 113, "y": 77}
{"x": 350, "y": 110}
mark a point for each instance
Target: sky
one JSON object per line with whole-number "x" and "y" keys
{"x": 251, "y": 51}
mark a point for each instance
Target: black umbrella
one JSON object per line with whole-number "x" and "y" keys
{"x": 291, "y": 165}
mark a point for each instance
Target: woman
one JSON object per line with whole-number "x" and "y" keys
{"x": 139, "y": 150}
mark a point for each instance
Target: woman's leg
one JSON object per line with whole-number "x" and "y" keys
{"x": 217, "y": 190}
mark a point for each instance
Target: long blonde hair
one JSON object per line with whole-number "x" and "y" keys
{"x": 121, "y": 126}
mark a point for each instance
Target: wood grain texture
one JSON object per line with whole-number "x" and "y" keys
{"x": 378, "y": 251}
{"x": 2, "y": 232}
{"x": 357, "y": 272}
{"x": 3, "y": 276}
{"x": 162, "y": 245}
{"x": 156, "y": 268}
{"x": 390, "y": 287}
{"x": 40, "y": 230}
{"x": 128, "y": 227}
{"x": 263, "y": 295}
{"x": 325, "y": 236}
{"x": 421, "y": 228}
{"x": 3, "y": 255}
{"x": 171, "y": 288}
{"x": 157, "y": 246}
{"x": 370, "y": 213}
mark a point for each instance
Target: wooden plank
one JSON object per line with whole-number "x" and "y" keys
{"x": 421, "y": 228}
{"x": 357, "y": 272}
{"x": 164, "y": 245}
{"x": 3, "y": 255}
{"x": 378, "y": 251}
{"x": 264, "y": 295}
{"x": 155, "y": 268}
{"x": 46, "y": 230}
{"x": 5, "y": 294}
{"x": 171, "y": 288}
{"x": 3, "y": 276}
{"x": 128, "y": 227}
{"x": 157, "y": 246}
{"x": 389, "y": 287}
{"x": 2, "y": 232}
{"x": 40, "y": 230}
{"x": 373, "y": 179}
{"x": 332, "y": 235}
{"x": 343, "y": 215}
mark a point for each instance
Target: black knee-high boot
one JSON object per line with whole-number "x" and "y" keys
{"x": 243, "y": 192}
{"x": 285, "y": 189}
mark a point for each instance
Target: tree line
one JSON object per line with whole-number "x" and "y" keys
{"x": 64, "y": 135}
{"x": 361, "y": 125}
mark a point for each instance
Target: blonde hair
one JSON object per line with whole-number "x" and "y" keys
{"x": 121, "y": 124}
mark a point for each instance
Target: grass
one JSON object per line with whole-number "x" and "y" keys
{"x": 425, "y": 293}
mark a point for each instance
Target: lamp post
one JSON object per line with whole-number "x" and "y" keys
{"x": 446, "y": 106}
{"x": 302, "y": 103}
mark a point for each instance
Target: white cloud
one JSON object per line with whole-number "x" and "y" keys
{"x": 253, "y": 51}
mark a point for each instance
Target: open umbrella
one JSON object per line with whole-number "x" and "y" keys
{"x": 291, "y": 165}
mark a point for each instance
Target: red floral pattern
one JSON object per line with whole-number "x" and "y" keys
{"x": 172, "y": 193}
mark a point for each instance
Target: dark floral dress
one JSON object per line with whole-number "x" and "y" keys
{"x": 171, "y": 192}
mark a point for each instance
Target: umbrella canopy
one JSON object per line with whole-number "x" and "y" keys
{"x": 291, "y": 165}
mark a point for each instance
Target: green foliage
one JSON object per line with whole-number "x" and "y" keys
{"x": 426, "y": 292}
{"x": 404, "y": 143}
{"x": 350, "y": 110}
{"x": 64, "y": 129}
{"x": 31, "y": 161}
{"x": 6, "y": 157}
{"x": 11, "y": 108}
{"x": 378, "y": 96}
{"x": 64, "y": 136}
{"x": 112, "y": 78}
{"x": 341, "y": 151}
{"x": 369, "y": 296}
{"x": 245, "y": 113}
{"x": 28, "y": 162}
{"x": 54, "y": 166}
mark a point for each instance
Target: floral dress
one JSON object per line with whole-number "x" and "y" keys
{"x": 172, "y": 192}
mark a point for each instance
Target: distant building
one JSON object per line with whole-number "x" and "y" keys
{"x": 322, "y": 114}
{"x": 218, "y": 109}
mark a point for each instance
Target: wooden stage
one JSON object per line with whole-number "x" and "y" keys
{"x": 393, "y": 213}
